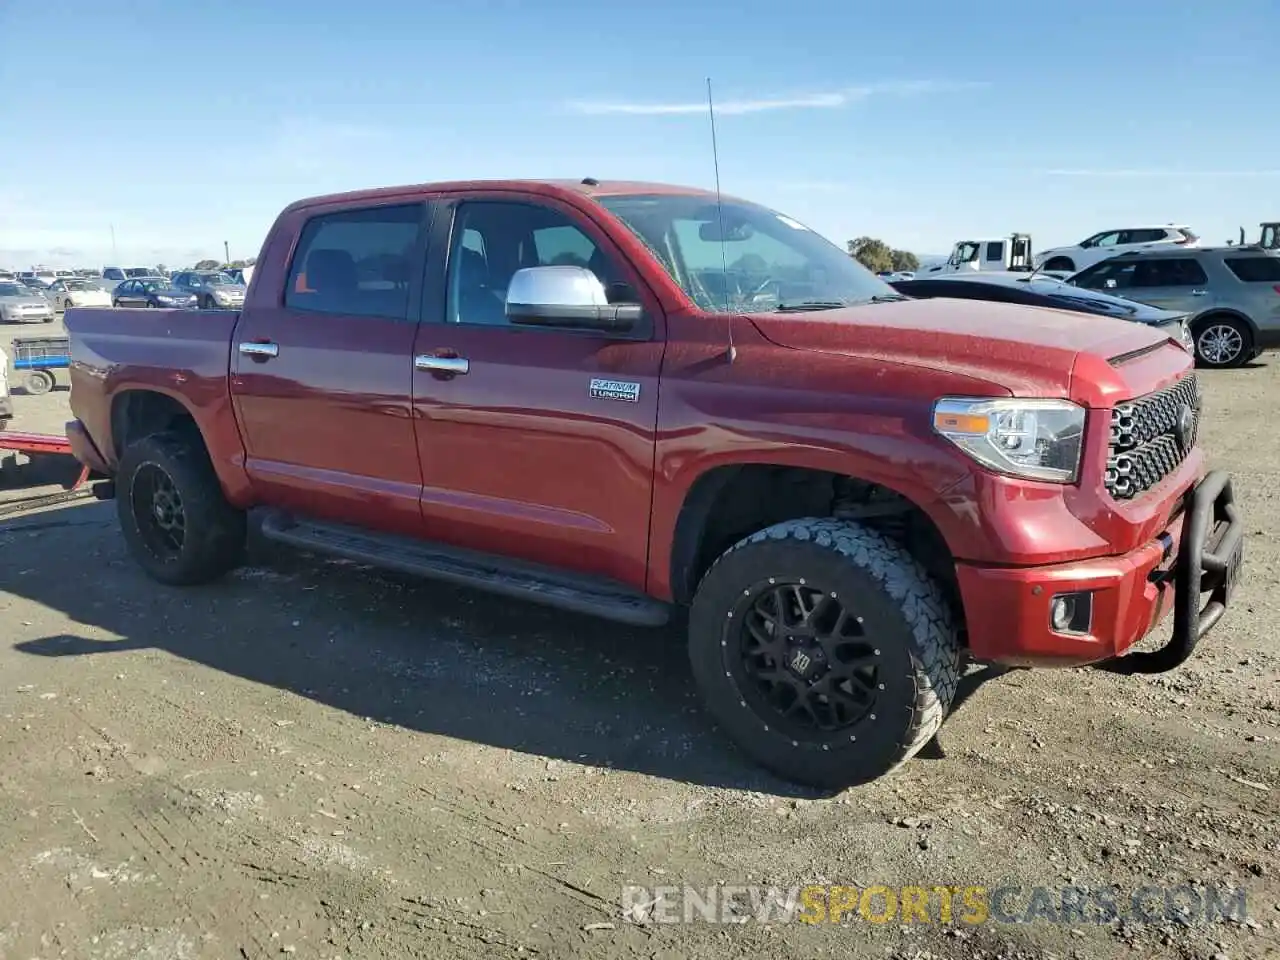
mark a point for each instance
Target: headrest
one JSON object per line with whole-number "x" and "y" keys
{"x": 331, "y": 271}
{"x": 473, "y": 271}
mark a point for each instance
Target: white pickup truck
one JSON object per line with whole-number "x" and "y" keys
{"x": 996, "y": 253}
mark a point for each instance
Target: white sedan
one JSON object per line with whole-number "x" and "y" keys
{"x": 77, "y": 293}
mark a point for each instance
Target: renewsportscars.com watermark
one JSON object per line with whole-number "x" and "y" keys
{"x": 939, "y": 904}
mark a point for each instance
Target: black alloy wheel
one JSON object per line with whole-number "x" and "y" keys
{"x": 805, "y": 658}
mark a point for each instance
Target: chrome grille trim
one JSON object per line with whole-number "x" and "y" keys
{"x": 1146, "y": 444}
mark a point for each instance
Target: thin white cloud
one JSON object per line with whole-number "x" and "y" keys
{"x": 829, "y": 100}
{"x": 811, "y": 186}
{"x": 1157, "y": 172}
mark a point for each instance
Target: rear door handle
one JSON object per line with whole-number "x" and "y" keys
{"x": 454, "y": 366}
{"x": 1199, "y": 293}
{"x": 260, "y": 351}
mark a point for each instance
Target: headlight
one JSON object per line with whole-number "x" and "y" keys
{"x": 165, "y": 299}
{"x": 1036, "y": 439}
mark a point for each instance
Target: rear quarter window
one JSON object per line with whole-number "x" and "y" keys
{"x": 1255, "y": 269}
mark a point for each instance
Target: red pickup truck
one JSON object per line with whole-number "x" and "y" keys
{"x": 624, "y": 398}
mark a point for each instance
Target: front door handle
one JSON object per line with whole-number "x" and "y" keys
{"x": 260, "y": 351}
{"x": 451, "y": 366}
{"x": 1199, "y": 293}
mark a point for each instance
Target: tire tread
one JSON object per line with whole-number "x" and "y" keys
{"x": 219, "y": 546}
{"x": 936, "y": 654}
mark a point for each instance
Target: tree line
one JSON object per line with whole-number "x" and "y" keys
{"x": 878, "y": 257}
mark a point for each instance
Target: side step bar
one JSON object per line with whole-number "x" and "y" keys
{"x": 510, "y": 578}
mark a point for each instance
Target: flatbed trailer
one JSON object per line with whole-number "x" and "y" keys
{"x": 41, "y": 444}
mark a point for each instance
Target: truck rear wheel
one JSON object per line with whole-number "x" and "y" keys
{"x": 175, "y": 519}
{"x": 824, "y": 650}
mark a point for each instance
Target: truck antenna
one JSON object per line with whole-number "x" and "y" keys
{"x": 724, "y": 255}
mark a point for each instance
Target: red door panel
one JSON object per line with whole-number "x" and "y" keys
{"x": 327, "y": 422}
{"x": 519, "y": 458}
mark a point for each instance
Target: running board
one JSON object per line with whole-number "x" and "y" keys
{"x": 510, "y": 578}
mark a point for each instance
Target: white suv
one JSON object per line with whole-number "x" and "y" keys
{"x": 1109, "y": 243}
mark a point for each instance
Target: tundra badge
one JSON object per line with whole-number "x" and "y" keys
{"x": 615, "y": 390}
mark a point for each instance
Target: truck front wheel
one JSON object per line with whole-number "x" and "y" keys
{"x": 175, "y": 519}
{"x": 824, "y": 650}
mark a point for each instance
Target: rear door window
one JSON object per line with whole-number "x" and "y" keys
{"x": 356, "y": 262}
{"x": 1169, "y": 272}
{"x": 1255, "y": 269}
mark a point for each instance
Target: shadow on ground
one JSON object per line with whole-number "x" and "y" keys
{"x": 421, "y": 655}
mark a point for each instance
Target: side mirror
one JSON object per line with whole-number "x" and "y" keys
{"x": 566, "y": 296}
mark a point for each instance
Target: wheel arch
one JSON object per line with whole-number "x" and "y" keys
{"x": 137, "y": 412}
{"x": 728, "y": 502}
{"x": 1224, "y": 312}
{"x": 142, "y": 409}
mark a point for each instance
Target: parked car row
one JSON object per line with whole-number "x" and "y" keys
{"x": 208, "y": 290}
{"x": 27, "y": 300}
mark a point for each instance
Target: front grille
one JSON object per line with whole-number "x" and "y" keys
{"x": 1149, "y": 438}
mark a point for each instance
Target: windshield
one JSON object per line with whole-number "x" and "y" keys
{"x": 759, "y": 263}
{"x": 215, "y": 279}
{"x": 137, "y": 272}
{"x": 79, "y": 285}
{"x": 153, "y": 285}
{"x": 965, "y": 252}
{"x": 13, "y": 290}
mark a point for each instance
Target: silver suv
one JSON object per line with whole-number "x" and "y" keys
{"x": 1231, "y": 295}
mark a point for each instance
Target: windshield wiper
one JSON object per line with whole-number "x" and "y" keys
{"x": 809, "y": 305}
{"x": 888, "y": 298}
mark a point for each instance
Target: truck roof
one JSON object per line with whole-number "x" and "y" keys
{"x": 588, "y": 186}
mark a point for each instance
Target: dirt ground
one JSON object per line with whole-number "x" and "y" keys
{"x": 320, "y": 760}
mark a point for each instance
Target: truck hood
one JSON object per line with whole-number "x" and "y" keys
{"x": 1029, "y": 350}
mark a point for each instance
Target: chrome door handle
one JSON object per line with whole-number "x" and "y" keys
{"x": 1199, "y": 293}
{"x": 450, "y": 365}
{"x": 260, "y": 350}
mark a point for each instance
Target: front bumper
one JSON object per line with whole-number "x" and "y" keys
{"x": 1007, "y": 609}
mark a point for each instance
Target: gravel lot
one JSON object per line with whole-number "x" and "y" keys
{"x": 319, "y": 760}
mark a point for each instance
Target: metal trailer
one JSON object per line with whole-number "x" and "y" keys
{"x": 37, "y": 358}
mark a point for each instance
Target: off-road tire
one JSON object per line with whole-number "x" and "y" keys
{"x": 215, "y": 531}
{"x": 918, "y": 646}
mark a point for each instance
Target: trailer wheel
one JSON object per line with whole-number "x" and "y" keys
{"x": 176, "y": 520}
{"x": 824, "y": 650}
{"x": 38, "y": 382}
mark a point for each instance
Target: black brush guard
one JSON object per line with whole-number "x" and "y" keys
{"x": 1200, "y": 567}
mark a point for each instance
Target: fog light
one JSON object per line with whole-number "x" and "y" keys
{"x": 1071, "y": 612}
{"x": 1061, "y": 611}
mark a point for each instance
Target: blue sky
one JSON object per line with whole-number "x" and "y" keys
{"x": 186, "y": 123}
